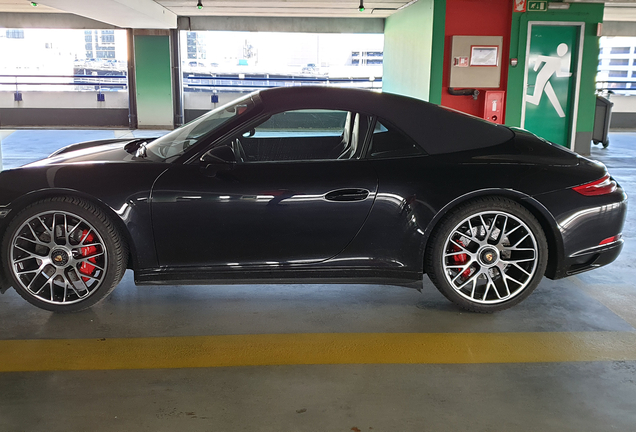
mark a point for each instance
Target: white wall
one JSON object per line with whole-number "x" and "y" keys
{"x": 60, "y": 99}
{"x": 202, "y": 101}
{"x": 624, "y": 104}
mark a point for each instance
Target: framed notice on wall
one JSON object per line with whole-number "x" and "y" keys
{"x": 484, "y": 55}
{"x": 476, "y": 61}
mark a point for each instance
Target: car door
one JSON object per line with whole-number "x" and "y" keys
{"x": 298, "y": 193}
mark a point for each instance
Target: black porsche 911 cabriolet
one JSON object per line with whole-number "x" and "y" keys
{"x": 305, "y": 184}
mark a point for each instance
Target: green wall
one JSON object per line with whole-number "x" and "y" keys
{"x": 437, "y": 53}
{"x": 154, "y": 81}
{"x": 408, "y": 42}
{"x": 590, "y": 14}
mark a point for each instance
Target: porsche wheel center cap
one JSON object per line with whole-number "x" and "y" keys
{"x": 489, "y": 256}
{"x": 59, "y": 257}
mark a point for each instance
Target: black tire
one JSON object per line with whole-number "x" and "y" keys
{"x": 63, "y": 254}
{"x": 462, "y": 255}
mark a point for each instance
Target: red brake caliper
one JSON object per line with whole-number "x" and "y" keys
{"x": 86, "y": 268}
{"x": 461, "y": 259}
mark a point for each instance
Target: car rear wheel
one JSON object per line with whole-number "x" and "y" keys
{"x": 63, "y": 254}
{"x": 487, "y": 255}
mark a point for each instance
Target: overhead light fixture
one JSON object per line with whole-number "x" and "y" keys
{"x": 552, "y": 5}
{"x": 361, "y": 7}
{"x": 200, "y": 5}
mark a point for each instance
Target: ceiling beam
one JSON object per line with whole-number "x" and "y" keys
{"x": 285, "y": 13}
{"x": 286, "y": 8}
{"x": 615, "y": 12}
{"x": 282, "y": 24}
{"x": 140, "y": 14}
{"x": 619, "y": 28}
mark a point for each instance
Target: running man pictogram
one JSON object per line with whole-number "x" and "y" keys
{"x": 552, "y": 67}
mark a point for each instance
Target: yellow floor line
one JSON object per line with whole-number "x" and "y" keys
{"x": 314, "y": 348}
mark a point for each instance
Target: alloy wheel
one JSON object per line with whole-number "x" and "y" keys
{"x": 58, "y": 257}
{"x": 490, "y": 257}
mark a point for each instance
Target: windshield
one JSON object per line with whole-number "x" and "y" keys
{"x": 172, "y": 145}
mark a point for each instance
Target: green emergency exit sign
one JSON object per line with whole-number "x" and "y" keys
{"x": 537, "y": 6}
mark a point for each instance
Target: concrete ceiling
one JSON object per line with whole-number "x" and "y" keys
{"x": 615, "y": 10}
{"x": 122, "y": 13}
{"x": 23, "y": 6}
{"x": 163, "y": 13}
{"x": 157, "y": 14}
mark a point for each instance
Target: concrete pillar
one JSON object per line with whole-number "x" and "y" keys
{"x": 408, "y": 41}
{"x": 153, "y": 79}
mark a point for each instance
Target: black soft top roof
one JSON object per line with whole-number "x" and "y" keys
{"x": 438, "y": 130}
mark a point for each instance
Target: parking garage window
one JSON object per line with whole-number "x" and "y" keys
{"x": 50, "y": 68}
{"x": 219, "y": 66}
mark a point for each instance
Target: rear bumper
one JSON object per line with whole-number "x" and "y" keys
{"x": 581, "y": 225}
{"x": 591, "y": 258}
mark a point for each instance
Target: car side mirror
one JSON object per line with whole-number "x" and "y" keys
{"x": 219, "y": 155}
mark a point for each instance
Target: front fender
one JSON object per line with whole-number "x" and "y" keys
{"x": 121, "y": 190}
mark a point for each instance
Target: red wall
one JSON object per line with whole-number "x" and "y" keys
{"x": 475, "y": 18}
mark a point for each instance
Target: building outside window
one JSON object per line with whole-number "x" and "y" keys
{"x": 15, "y": 34}
{"x": 62, "y": 54}
{"x": 331, "y": 55}
{"x": 219, "y": 66}
{"x": 617, "y": 65}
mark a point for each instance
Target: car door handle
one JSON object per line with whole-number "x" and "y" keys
{"x": 347, "y": 195}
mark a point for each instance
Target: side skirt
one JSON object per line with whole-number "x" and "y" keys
{"x": 198, "y": 276}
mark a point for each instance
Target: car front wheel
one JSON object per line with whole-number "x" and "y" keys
{"x": 63, "y": 254}
{"x": 487, "y": 255}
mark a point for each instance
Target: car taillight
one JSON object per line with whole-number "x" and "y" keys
{"x": 611, "y": 239}
{"x": 602, "y": 186}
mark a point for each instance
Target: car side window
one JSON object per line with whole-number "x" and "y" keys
{"x": 304, "y": 135}
{"x": 389, "y": 142}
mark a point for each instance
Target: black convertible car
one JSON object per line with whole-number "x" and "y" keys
{"x": 305, "y": 184}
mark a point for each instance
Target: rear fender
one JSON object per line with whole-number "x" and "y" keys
{"x": 545, "y": 218}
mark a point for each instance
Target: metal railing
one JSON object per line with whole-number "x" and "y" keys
{"x": 237, "y": 82}
{"x": 102, "y": 82}
{"x": 624, "y": 86}
{"x": 94, "y": 82}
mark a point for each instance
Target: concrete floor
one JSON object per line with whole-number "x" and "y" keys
{"x": 542, "y": 395}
